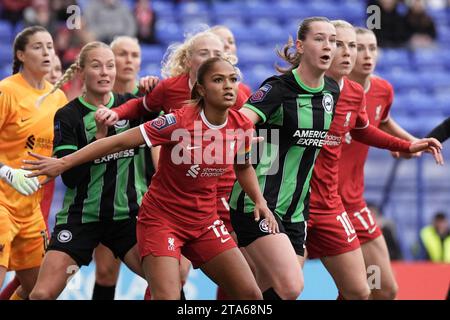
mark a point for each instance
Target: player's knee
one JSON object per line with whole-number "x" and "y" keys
{"x": 289, "y": 290}
{"x": 41, "y": 294}
{"x": 250, "y": 293}
{"x": 165, "y": 295}
{"x": 362, "y": 293}
{"x": 106, "y": 275}
{"x": 387, "y": 292}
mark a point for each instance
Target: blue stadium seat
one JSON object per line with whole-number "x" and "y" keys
{"x": 250, "y": 55}
{"x": 5, "y": 71}
{"x": 324, "y": 8}
{"x": 191, "y": 24}
{"x": 244, "y": 34}
{"x": 168, "y": 32}
{"x": 152, "y": 53}
{"x": 435, "y": 80}
{"x": 268, "y": 33}
{"x": 164, "y": 9}
{"x": 6, "y": 53}
{"x": 151, "y": 69}
{"x": 424, "y": 58}
{"x": 417, "y": 105}
{"x": 256, "y": 74}
{"x": 394, "y": 58}
{"x": 233, "y": 9}
{"x": 403, "y": 80}
{"x": 443, "y": 33}
{"x": 443, "y": 102}
{"x": 192, "y": 9}
{"x": 6, "y": 32}
{"x": 289, "y": 10}
{"x": 354, "y": 12}
{"x": 440, "y": 17}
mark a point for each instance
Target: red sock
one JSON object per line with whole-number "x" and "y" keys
{"x": 148, "y": 295}
{"x": 10, "y": 289}
{"x": 340, "y": 296}
{"x": 221, "y": 295}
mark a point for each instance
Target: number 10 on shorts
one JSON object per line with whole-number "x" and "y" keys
{"x": 348, "y": 226}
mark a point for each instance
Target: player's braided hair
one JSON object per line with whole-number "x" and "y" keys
{"x": 20, "y": 42}
{"x": 74, "y": 67}
{"x": 175, "y": 60}
{"x": 293, "y": 58}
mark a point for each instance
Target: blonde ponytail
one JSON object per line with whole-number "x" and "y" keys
{"x": 67, "y": 76}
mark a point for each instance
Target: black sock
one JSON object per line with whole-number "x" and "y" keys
{"x": 103, "y": 293}
{"x": 182, "y": 296}
{"x": 270, "y": 294}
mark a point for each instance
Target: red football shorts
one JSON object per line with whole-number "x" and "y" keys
{"x": 330, "y": 235}
{"x": 163, "y": 238}
{"x": 365, "y": 225}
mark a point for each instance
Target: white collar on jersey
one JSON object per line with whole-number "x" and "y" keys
{"x": 341, "y": 84}
{"x": 210, "y": 125}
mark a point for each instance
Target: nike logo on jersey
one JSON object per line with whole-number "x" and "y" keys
{"x": 24, "y": 120}
{"x": 352, "y": 238}
{"x": 192, "y": 147}
{"x": 224, "y": 240}
{"x": 372, "y": 230}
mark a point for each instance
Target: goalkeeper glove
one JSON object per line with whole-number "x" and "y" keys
{"x": 16, "y": 178}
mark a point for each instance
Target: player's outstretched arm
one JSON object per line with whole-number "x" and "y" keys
{"x": 52, "y": 167}
{"x": 430, "y": 145}
{"x": 392, "y": 127}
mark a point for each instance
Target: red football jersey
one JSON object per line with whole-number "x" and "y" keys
{"x": 350, "y": 114}
{"x": 184, "y": 186}
{"x": 245, "y": 89}
{"x": 379, "y": 97}
{"x": 171, "y": 94}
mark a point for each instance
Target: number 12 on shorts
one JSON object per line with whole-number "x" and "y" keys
{"x": 348, "y": 226}
{"x": 221, "y": 232}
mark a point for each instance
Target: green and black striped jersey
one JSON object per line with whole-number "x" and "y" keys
{"x": 295, "y": 120}
{"x": 108, "y": 188}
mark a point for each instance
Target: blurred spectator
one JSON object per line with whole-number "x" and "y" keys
{"x": 145, "y": 19}
{"x": 59, "y": 8}
{"x": 38, "y": 13}
{"x": 435, "y": 240}
{"x": 107, "y": 19}
{"x": 68, "y": 43}
{"x": 12, "y": 10}
{"x": 420, "y": 26}
{"x": 389, "y": 232}
{"x": 393, "y": 25}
